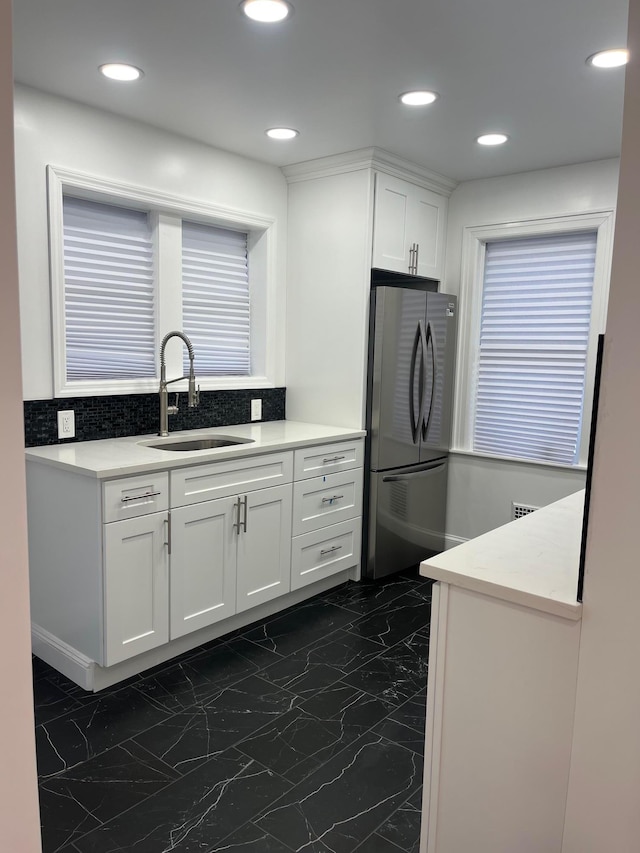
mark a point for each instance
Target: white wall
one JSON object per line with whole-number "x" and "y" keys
{"x": 51, "y": 130}
{"x": 19, "y": 820}
{"x": 480, "y": 489}
{"x": 604, "y": 783}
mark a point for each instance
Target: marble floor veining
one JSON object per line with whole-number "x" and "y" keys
{"x": 304, "y": 732}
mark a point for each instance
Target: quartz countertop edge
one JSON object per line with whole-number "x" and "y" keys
{"x": 532, "y": 562}
{"x": 121, "y": 457}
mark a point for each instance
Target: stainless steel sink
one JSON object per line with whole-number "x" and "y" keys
{"x": 202, "y": 443}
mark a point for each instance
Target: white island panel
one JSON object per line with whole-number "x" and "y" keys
{"x": 503, "y": 661}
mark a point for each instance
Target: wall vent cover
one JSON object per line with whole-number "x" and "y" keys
{"x": 520, "y": 510}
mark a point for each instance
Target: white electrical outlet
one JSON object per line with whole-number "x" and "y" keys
{"x": 256, "y": 410}
{"x": 66, "y": 424}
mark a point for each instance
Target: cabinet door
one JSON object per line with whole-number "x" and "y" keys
{"x": 136, "y": 586}
{"x": 203, "y": 564}
{"x": 264, "y": 547}
{"x": 391, "y": 224}
{"x": 428, "y": 212}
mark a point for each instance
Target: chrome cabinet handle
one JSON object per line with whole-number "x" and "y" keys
{"x": 244, "y": 522}
{"x": 332, "y": 459}
{"x": 241, "y": 521}
{"x": 326, "y": 551}
{"x": 167, "y": 521}
{"x": 236, "y": 523}
{"x": 139, "y": 497}
{"x": 332, "y": 499}
{"x": 413, "y": 259}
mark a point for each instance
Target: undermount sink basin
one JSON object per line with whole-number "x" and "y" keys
{"x": 202, "y": 443}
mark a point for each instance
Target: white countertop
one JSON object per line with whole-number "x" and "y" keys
{"x": 117, "y": 457}
{"x": 532, "y": 561}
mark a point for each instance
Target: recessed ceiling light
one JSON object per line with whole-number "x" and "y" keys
{"x": 118, "y": 71}
{"x": 266, "y": 11}
{"x": 282, "y": 132}
{"x": 492, "y": 139}
{"x": 418, "y": 98}
{"x": 610, "y": 58}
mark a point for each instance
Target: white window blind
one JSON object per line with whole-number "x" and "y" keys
{"x": 536, "y": 314}
{"x": 108, "y": 292}
{"x": 215, "y": 299}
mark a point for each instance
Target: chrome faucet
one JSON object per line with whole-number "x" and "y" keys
{"x": 193, "y": 394}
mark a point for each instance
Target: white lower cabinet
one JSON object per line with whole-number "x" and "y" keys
{"x": 155, "y": 557}
{"x": 203, "y": 564}
{"x": 327, "y": 515}
{"x": 136, "y": 586}
{"x": 264, "y": 547}
{"x": 228, "y": 555}
{"x": 325, "y": 552}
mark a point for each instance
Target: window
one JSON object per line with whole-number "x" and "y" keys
{"x": 534, "y": 336}
{"x": 216, "y": 299}
{"x": 532, "y": 302}
{"x": 128, "y": 266}
{"x": 109, "y": 292}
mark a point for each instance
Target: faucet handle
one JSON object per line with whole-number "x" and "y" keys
{"x": 173, "y": 410}
{"x": 197, "y": 400}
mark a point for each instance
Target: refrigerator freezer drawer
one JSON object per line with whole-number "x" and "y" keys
{"x": 326, "y": 500}
{"x": 407, "y": 517}
{"x": 325, "y": 552}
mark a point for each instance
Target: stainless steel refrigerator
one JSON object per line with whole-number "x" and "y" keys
{"x": 412, "y": 334}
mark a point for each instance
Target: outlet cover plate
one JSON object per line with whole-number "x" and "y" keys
{"x": 256, "y": 409}
{"x": 66, "y": 424}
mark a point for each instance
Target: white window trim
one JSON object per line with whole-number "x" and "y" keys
{"x": 164, "y": 208}
{"x": 474, "y": 240}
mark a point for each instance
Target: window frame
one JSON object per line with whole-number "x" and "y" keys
{"x": 166, "y": 214}
{"x": 474, "y": 242}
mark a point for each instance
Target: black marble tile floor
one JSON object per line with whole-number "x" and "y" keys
{"x": 304, "y": 732}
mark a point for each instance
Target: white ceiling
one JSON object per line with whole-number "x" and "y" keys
{"x": 334, "y": 71}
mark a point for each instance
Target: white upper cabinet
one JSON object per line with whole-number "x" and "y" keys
{"x": 408, "y": 228}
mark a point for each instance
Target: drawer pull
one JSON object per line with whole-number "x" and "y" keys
{"x": 326, "y": 551}
{"x": 139, "y": 497}
{"x": 332, "y": 459}
{"x": 332, "y": 499}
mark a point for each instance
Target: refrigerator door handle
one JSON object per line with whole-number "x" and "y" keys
{"x": 394, "y": 478}
{"x": 418, "y": 341}
{"x": 430, "y": 338}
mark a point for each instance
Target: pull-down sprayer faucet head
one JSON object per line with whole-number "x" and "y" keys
{"x": 193, "y": 397}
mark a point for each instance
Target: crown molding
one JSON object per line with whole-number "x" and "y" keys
{"x": 369, "y": 158}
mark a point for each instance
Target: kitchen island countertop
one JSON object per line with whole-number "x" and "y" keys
{"x": 532, "y": 561}
{"x": 117, "y": 457}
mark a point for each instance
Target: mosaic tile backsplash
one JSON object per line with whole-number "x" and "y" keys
{"x": 139, "y": 414}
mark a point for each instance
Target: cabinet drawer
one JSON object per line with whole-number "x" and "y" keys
{"x": 325, "y": 552}
{"x": 328, "y": 459}
{"x": 134, "y": 496}
{"x": 326, "y": 500}
{"x": 221, "y": 479}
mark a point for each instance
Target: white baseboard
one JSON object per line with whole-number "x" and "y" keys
{"x": 62, "y": 656}
{"x": 450, "y": 541}
{"x": 92, "y": 677}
